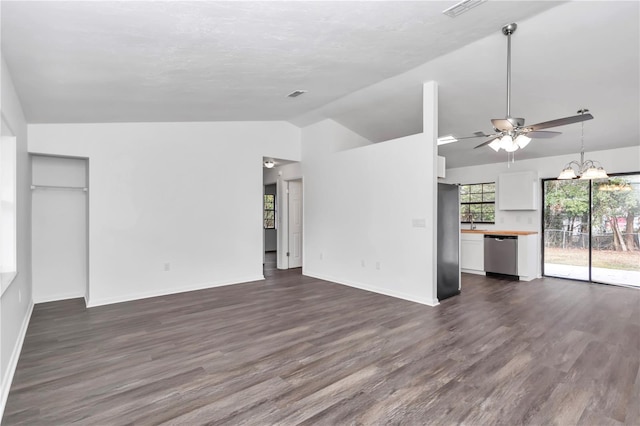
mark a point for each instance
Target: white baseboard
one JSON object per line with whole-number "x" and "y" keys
{"x": 472, "y": 271}
{"x": 374, "y": 289}
{"x": 91, "y": 302}
{"x": 57, "y": 297}
{"x": 13, "y": 361}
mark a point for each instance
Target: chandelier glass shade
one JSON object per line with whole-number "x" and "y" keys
{"x": 585, "y": 169}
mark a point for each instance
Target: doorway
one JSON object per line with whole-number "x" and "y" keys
{"x": 282, "y": 214}
{"x": 59, "y": 222}
{"x": 591, "y": 229}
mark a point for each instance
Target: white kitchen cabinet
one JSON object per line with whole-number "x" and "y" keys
{"x": 517, "y": 191}
{"x": 527, "y": 257}
{"x": 472, "y": 253}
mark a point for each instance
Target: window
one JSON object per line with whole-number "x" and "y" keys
{"x": 8, "y": 215}
{"x": 478, "y": 200}
{"x": 269, "y": 211}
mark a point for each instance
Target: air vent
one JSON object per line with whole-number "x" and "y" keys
{"x": 296, "y": 93}
{"x": 462, "y": 7}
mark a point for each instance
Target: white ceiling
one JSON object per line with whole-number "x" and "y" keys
{"x": 363, "y": 64}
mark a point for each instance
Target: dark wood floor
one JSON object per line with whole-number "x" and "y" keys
{"x": 297, "y": 350}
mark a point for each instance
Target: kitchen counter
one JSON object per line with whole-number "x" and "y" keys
{"x": 472, "y": 248}
{"x": 495, "y": 232}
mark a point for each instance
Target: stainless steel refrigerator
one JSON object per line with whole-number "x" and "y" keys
{"x": 448, "y": 241}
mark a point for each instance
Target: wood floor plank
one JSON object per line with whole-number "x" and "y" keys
{"x": 297, "y": 350}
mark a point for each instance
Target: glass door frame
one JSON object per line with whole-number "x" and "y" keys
{"x": 542, "y": 241}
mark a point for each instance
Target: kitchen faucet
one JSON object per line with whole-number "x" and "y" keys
{"x": 470, "y": 218}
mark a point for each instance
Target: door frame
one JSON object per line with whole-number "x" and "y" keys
{"x": 542, "y": 206}
{"x": 87, "y": 160}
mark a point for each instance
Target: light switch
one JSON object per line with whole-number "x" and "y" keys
{"x": 419, "y": 223}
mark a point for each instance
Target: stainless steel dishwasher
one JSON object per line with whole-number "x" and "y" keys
{"x": 501, "y": 254}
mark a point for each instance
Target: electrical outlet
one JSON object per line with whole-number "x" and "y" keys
{"x": 378, "y": 265}
{"x": 362, "y": 263}
{"x": 321, "y": 256}
{"x": 167, "y": 267}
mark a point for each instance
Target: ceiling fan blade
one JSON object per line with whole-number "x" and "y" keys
{"x": 542, "y": 134}
{"x": 502, "y": 124}
{"x": 560, "y": 122}
{"x": 477, "y": 135}
{"x": 486, "y": 142}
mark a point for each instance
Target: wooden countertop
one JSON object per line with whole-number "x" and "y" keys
{"x": 496, "y": 232}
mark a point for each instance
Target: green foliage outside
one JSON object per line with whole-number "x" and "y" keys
{"x": 566, "y": 212}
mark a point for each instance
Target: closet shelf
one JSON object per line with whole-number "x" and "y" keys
{"x": 71, "y": 188}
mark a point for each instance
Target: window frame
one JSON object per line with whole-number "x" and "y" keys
{"x": 265, "y": 210}
{"x": 481, "y": 203}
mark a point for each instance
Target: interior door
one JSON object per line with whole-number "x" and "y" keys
{"x": 295, "y": 224}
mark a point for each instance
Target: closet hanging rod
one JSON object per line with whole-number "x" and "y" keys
{"x": 72, "y": 188}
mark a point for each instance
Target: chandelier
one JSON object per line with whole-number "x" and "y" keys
{"x": 585, "y": 169}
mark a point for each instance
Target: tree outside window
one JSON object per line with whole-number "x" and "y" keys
{"x": 269, "y": 211}
{"x": 478, "y": 200}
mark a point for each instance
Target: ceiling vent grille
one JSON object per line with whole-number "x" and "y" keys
{"x": 296, "y": 93}
{"x": 462, "y": 7}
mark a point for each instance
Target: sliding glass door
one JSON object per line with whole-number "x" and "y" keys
{"x": 566, "y": 229}
{"x": 591, "y": 229}
{"x": 615, "y": 253}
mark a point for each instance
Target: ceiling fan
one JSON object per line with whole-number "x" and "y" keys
{"x": 510, "y": 133}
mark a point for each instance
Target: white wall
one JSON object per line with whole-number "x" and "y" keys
{"x": 369, "y": 212}
{"x": 614, "y": 161}
{"x": 180, "y": 196}
{"x": 327, "y": 137}
{"x": 15, "y": 302}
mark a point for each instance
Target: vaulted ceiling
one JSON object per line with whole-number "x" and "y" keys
{"x": 363, "y": 64}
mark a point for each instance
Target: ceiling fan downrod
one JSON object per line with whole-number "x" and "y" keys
{"x": 508, "y": 30}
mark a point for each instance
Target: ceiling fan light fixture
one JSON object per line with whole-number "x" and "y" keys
{"x": 523, "y": 141}
{"x": 506, "y": 142}
{"x": 513, "y": 147}
{"x": 495, "y": 144}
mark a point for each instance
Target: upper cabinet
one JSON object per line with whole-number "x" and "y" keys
{"x": 517, "y": 191}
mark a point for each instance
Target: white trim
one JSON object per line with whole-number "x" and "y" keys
{"x": 472, "y": 271}
{"x": 58, "y": 297}
{"x": 374, "y": 289}
{"x": 13, "y": 361}
{"x": 91, "y": 303}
